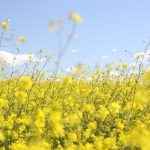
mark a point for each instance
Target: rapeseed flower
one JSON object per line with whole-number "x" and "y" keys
{"x": 25, "y": 83}
{"x": 75, "y": 17}
{"x": 4, "y": 25}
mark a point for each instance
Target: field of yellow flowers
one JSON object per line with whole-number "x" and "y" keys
{"x": 80, "y": 111}
{"x": 72, "y": 113}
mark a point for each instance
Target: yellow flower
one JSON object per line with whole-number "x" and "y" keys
{"x": 40, "y": 119}
{"x": 139, "y": 136}
{"x": 18, "y": 146}
{"x": 41, "y": 144}
{"x": 55, "y": 116}
{"x": 119, "y": 124}
{"x": 4, "y": 25}
{"x": 88, "y": 108}
{"x": 67, "y": 81}
{"x": 123, "y": 138}
{"x": 58, "y": 130}
{"x": 140, "y": 98}
{"x": 89, "y": 146}
{"x": 114, "y": 108}
{"x": 25, "y": 83}
{"x": 74, "y": 119}
{"x": 125, "y": 66}
{"x": 110, "y": 143}
{"x": 52, "y": 28}
{"x": 75, "y": 17}
{"x": 2, "y": 137}
{"x": 72, "y": 136}
{"x": 102, "y": 112}
{"x": 147, "y": 75}
{"x": 20, "y": 97}
{"x": 21, "y": 39}
{"x": 98, "y": 143}
{"x": 3, "y": 103}
{"x": 92, "y": 125}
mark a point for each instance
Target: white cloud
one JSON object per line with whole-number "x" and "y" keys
{"x": 8, "y": 58}
{"x": 146, "y": 59}
{"x": 74, "y": 50}
{"x": 114, "y": 73}
{"x": 105, "y": 57}
{"x": 71, "y": 70}
{"x": 114, "y": 50}
{"x": 76, "y": 36}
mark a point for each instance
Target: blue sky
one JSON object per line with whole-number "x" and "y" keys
{"x": 108, "y": 25}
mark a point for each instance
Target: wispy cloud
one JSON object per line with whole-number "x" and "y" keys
{"x": 74, "y": 50}
{"x": 105, "y": 57}
{"x": 146, "y": 59}
{"x": 114, "y": 50}
{"x": 76, "y": 36}
{"x": 71, "y": 70}
{"x": 8, "y": 58}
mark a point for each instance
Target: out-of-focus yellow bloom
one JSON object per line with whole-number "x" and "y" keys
{"x": 147, "y": 75}
{"x": 4, "y": 25}
{"x": 3, "y": 103}
{"x": 102, "y": 112}
{"x": 58, "y": 130}
{"x": 92, "y": 125}
{"x": 72, "y": 136}
{"x": 20, "y": 97}
{"x": 2, "y": 137}
{"x": 140, "y": 98}
{"x": 119, "y": 124}
{"x": 55, "y": 116}
{"x": 110, "y": 143}
{"x": 40, "y": 144}
{"x": 75, "y": 17}
{"x": 25, "y": 83}
{"x": 139, "y": 136}
{"x": 67, "y": 80}
{"x": 114, "y": 108}
{"x": 74, "y": 119}
{"x": 88, "y": 108}
{"x": 21, "y": 39}
{"x": 40, "y": 119}
{"x": 53, "y": 28}
{"x": 123, "y": 138}
{"x": 125, "y": 65}
{"x": 89, "y": 146}
{"x": 18, "y": 146}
